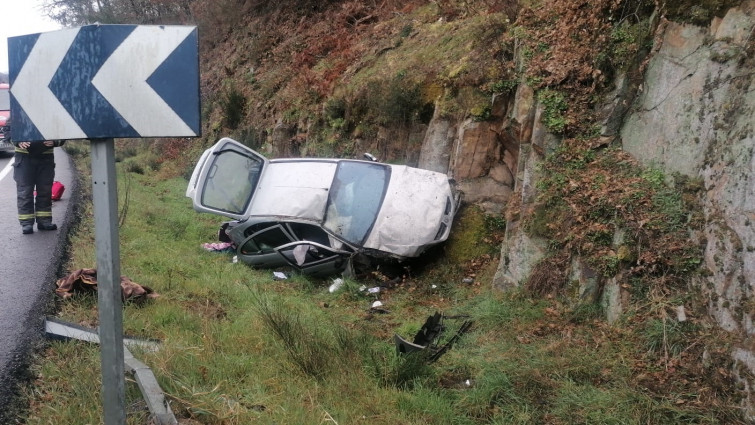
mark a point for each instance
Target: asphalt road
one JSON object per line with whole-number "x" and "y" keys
{"x": 29, "y": 267}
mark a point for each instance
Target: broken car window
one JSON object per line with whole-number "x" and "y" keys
{"x": 265, "y": 241}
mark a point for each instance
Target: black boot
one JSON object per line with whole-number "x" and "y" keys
{"x": 27, "y": 229}
{"x": 47, "y": 226}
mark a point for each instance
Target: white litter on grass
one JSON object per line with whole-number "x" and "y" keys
{"x": 235, "y": 259}
{"x": 681, "y": 315}
{"x": 336, "y": 285}
{"x": 374, "y": 290}
{"x": 434, "y": 286}
{"x": 280, "y": 275}
{"x": 377, "y": 304}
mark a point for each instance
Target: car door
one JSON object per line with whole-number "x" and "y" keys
{"x": 315, "y": 252}
{"x": 304, "y": 247}
{"x": 314, "y": 259}
{"x": 259, "y": 249}
{"x": 225, "y": 179}
{"x": 191, "y": 189}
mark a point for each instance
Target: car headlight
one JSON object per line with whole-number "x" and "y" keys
{"x": 441, "y": 231}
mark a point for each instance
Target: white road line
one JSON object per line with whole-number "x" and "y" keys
{"x": 6, "y": 170}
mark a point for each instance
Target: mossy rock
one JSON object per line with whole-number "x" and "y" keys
{"x": 471, "y": 236}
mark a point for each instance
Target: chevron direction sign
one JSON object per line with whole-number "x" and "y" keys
{"x": 105, "y": 81}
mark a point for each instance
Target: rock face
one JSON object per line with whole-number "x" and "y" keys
{"x": 694, "y": 114}
{"x": 481, "y": 156}
{"x": 696, "y": 117}
{"x": 435, "y": 153}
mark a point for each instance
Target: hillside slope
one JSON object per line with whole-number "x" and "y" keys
{"x": 541, "y": 110}
{"x": 613, "y": 141}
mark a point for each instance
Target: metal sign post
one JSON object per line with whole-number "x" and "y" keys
{"x": 99, "y": 82}
{"x": 105, "y": 196}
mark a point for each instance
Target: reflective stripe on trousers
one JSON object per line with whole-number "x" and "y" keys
{"x": 34, "y": 172}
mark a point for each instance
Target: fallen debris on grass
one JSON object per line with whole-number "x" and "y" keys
{"x": 158, "y": 407}
{"x": 85, "y": 280}
{"x": 428, "y": 336}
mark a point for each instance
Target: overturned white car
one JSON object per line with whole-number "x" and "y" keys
{"x": 316, "y": 215}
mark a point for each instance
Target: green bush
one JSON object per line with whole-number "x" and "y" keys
{"x": 132, "y": 165}
{"x": 395, "y": 102}
{"x": 554, "y": 107}
{"x": 233, "y": 104}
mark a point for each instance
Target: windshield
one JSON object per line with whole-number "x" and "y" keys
{"x": 4, "y": 99}
{"x": 231, "y": 181}
{"x": 355, "y": 198}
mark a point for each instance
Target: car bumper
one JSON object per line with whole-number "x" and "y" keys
{"x": 6, "y": 146}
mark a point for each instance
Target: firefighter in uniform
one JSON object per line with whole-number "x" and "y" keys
{"x": 34, "y": 169}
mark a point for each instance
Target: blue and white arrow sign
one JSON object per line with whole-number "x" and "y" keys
{"x": 105, "y": 81}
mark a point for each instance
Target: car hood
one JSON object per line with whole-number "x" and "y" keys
{"x": 412, "y": 212}
{"x": 293, "y": 189}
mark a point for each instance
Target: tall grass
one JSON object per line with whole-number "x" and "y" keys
{"x": 239, "y": 347}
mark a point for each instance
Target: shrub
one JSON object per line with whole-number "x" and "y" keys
{"x": 554, "y": 107}
{"x": 233, "y": 103}
{"x": 131, "y": 165}
{"x": 396, "y": 102}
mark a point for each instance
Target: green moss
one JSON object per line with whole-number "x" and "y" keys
{"x": 481, "y": 112}
{"x": 698, "y": 12}
{"x": 473, "y": 235}
{"x": 627, "y": 39}
{"x": 537, "y": 223}
{"x": 554, "y": 108}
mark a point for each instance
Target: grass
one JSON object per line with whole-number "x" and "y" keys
{"x": 239, "y": 347}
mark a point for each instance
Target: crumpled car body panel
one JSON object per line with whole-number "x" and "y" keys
{"x": 412, "y": 213}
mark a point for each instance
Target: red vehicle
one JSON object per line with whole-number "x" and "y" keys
{"x": 5, "y": 144}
